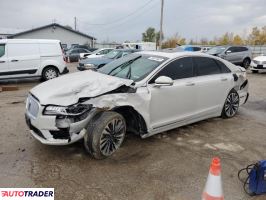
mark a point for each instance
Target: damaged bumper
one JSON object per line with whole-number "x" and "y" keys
{"x": 56, "y": 130}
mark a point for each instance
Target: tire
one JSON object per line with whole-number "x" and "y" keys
{"x": 49, "y": 73}
{"x": 254, "y": 71}
{"x": 246, "y": 63}
{"x": 101, "y": 140}
{"x": 231, "y": 105}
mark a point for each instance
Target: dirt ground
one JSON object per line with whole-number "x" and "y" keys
{"x": 170, "y": 165}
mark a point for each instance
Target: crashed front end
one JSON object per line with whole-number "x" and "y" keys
{"x": 57, "y": 125}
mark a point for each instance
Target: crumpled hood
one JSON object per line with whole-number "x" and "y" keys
{"x": 66, "y": 90}
{"x": 260, "y": 58}
{"x": 96, "y": 61}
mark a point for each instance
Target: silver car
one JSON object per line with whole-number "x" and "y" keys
{"x": 239, "y": 55}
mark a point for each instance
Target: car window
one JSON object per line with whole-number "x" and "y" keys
{"x": 2, "y": 50}
{"x": 83, "y": 51}
{"x": 240, "y": 49}
{"x": 196, "y": 48}
{"x": 75, "y": 51}
{"x": 178, "y": 69}
{"x": 206, "y": 66}
{"x": 223, "y": 67}
{"x": 233, "y": 49}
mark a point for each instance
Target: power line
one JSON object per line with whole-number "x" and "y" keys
{"x": 122, "y": 18}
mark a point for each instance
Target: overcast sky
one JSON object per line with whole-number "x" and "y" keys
{"x": 120, "y": 20}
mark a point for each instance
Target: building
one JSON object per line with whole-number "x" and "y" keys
{"x": 67, "y": 36}
{"x": 4, "y": 35}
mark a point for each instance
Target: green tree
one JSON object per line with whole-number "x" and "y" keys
{"x": 149, "y": 35}
{"x": 237, "y": 40}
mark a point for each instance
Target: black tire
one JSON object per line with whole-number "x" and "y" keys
{"x": 49, "y": 73}
{"x": 231, "y": 105}
{"x": 102, "y": 138}
{"x": 254, "y": 71}
{"x": 246, "y": 63}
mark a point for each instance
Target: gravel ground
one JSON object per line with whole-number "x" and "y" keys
{"x": 170, "y": 165}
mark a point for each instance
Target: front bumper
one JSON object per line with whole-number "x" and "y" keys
{"x": 44, "y": 128}
{"x": 258, "y": 67}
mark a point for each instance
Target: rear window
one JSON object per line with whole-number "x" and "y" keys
{"x": 206, "y": 66}
{"x": 223, "y": 67}
{"x": 2, "y": 50}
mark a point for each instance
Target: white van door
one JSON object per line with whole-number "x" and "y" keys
{"x": 3, "y": 61}
{"x": 24, "y": 58}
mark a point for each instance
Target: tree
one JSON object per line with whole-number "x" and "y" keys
{"x": 174, "y": 41}
{"x": 237, "y": 40}
{"x": 149, "y": 35}
{"x": 227, "y": 38}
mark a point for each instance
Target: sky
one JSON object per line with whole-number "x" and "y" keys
{"x": 121, "y": 20}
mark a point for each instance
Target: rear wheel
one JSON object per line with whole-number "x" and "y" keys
{"x": 49, "y": 73}
{"x": 231, "y": 105}
{"x": 105, "y": 135}
{"x": 254, "y": 71}
{"x": 246, "y": 63}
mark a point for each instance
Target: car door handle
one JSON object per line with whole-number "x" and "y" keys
{"x": 14, "y": 60}
{"x": 190, "y": 84}
{"x": 223, "y": 79}
{"x": 2, "y": 61}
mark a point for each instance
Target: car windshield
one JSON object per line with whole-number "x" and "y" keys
{"x": 113, "y": 54}
{"x": 134, "y": 66}
{"x": 216, "y": 50}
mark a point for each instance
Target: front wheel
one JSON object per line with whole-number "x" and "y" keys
{"x": 105, "y": 134}
{"x": 49, "y": 73}
{"x": 231, "y": 105}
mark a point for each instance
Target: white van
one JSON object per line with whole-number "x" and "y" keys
{"x": 24, "y": 58}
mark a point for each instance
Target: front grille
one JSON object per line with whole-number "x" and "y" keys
{"x": 81, "y": 64}
{"x": 32, "y": 106}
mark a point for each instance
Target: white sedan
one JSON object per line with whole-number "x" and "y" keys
{"x": 96, "y": 54}
{"x": 143, "y": 93}
{"x": 258, "y": 64}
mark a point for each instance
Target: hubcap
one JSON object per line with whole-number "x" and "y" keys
{"x": 112, "y": 136}
{"x": 50, "y": 74}
{"x": 231, "y": 104}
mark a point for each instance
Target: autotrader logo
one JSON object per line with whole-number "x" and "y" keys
{"x": 27, "y": 193}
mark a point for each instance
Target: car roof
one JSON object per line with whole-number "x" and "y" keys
{"x": 174, "y": 54}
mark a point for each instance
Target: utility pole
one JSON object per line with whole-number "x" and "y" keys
{"x": 161, "y": 25}
{"x": 75, "y": 23}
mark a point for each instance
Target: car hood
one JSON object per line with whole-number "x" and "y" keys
{"x": 68, "y": 89}
{"x": 260, "y": 58}
{"x": 96, "y": 61}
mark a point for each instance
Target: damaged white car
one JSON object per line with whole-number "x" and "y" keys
{"x": 143, "y": 93}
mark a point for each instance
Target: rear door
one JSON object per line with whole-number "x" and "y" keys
{"x": 4, "y": 69}
{"x": 24, "y": 58}
{"x": 212, "y": 83}
{"x": 233, "y": 55}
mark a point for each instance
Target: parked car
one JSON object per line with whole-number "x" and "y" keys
{"x": 73, "y": 54}
{"x": 96, "y": 63}
{"x": 258, "y": 64}
{"x": 190, "y": 48}
{"x": 96, "y": 54}
{"x": 239, "y": 55}
{"x": 143, "y": 93}
{"x": 25, "y": 58}
{"x": 205, "y": 49}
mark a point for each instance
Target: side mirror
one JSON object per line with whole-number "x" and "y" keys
{"x": 228, "y": 52}
{"x": 164, "y": 81}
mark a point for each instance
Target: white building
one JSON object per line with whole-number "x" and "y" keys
{"x": 66, "y": 35}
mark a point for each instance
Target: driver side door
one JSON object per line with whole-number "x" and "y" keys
{"x": 172, "y": 105}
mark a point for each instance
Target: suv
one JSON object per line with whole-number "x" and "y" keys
{"x": 240, "y": 55}
{"x": 143, "y": 93}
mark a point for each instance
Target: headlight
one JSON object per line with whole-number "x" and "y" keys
{"x": 89, "y": 66}
{"x": 74, "y": 110}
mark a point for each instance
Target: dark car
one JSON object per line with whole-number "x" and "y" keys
{"x": 74, "y": 54}
{"x": 96, "y": 63}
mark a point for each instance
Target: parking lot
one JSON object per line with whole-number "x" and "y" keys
{"x": 170, "y": 165}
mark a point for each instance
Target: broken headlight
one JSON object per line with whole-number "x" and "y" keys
{"x": 73, "y": 110}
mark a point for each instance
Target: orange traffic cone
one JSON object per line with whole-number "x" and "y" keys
{"x": 213, "y": 188}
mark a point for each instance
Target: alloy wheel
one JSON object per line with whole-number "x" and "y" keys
{"x": 231, "y": 104}
{"x": 112, "y": 136}
{"x": 50, "y": 74}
